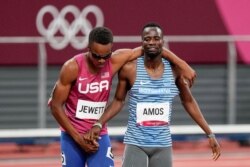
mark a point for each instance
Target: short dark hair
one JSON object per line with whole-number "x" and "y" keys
{"x": 102, "y": 35}
{"x": 151, "y": 24}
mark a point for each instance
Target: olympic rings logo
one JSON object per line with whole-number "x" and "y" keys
{"x": 68, "y": 30}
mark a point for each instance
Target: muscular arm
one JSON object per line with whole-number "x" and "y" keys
{"x": 68, "y": 74}
{"x": 193, "y": 110}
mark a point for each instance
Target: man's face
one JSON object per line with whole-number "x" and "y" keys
{"x": 100, "y": 53}
{"x": 152, "y": 41}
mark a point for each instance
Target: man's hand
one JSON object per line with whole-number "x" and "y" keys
{"x": 93, "y": 134}
{"x": 181, "y": 68}
{"x": 215, "y": 148}
{"x": 86, "y": 145}
{"x": 184, "y": 70}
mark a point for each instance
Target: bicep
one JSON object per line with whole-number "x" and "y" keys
{"x": 60, "y": 92}
{"x": 67, "y": 76}
{"x": 135, "y": 53}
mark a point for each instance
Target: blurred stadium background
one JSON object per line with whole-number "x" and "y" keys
{"x": 37, "y": 37}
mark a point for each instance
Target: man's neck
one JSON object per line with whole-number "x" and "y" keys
{"x": 152, "y": 62}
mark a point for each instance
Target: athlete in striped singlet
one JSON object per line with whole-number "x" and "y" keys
{"x": 151, "y": 87}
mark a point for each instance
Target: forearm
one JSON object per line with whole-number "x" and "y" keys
{"x": 170, "y": 56}
{"x": 64, "y": 122}
{"x": 194, "y": 111}
{"x": 122, "y": 56}
{"x": 135, "y": 53}
{"x": 112, "y": 110}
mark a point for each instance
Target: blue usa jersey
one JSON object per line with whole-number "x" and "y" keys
{"x": 150, "y": 105}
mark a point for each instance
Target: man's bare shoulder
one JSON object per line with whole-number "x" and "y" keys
{"x": 69, "y": 70}
{"x": 70, "y": 65}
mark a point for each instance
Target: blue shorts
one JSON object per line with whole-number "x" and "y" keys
{"x": 74, "y": 156}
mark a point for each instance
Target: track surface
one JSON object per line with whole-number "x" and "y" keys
{"x": 186, "y": 154}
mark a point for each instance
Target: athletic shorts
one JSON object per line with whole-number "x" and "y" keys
{"x": 74, "y": 156}
{"x": 138, "y": 156}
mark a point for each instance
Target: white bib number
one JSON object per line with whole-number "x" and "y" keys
{"x": 152, "y": 112}
{"x": 89, "y": 110}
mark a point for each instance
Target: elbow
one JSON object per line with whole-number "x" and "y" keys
{"x": 181, "y": 82}
{"x": 120, "y": 103}
{"x": 49, "y": 102}
{"x": 53, "y": 107}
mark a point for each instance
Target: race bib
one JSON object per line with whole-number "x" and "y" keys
{"x": 152, "y": 114}
{"x": 89, "y": 110}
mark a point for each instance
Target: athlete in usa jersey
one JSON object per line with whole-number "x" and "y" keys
{"x": 151, "y": 85}
{"x": 88, "y": 96}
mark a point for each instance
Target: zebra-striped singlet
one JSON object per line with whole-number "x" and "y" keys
{"x": 151, "y": 98}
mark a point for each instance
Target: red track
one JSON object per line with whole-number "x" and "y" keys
{"x": 186, "y": 154}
